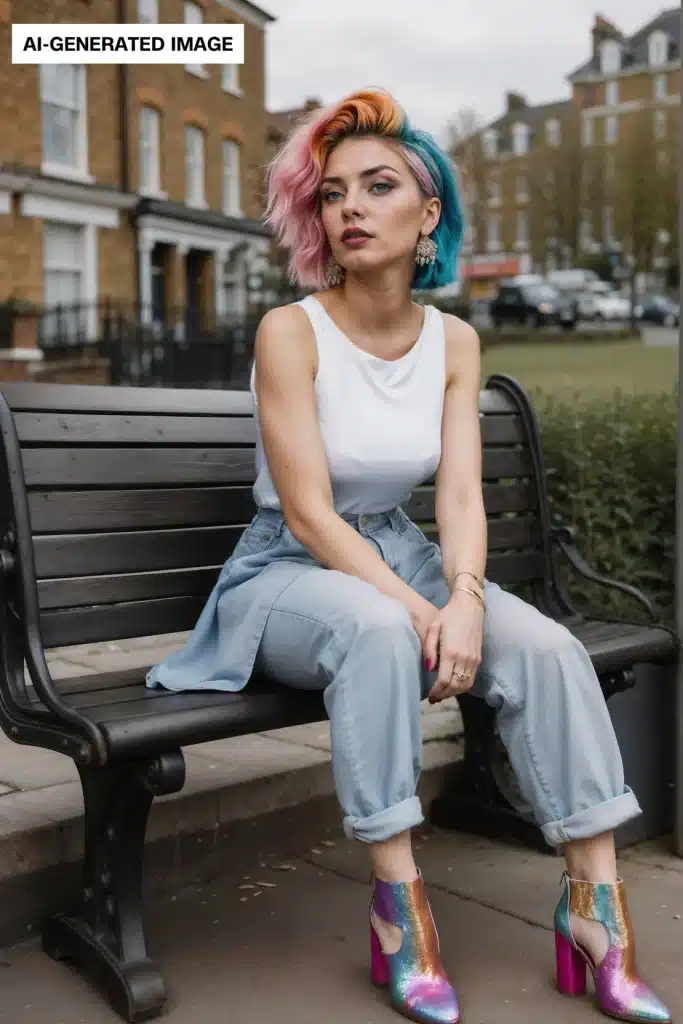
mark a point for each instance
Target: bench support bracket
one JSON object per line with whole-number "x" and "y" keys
{"x": 105, "y": 935}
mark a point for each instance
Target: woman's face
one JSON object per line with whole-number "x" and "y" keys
{"x": 372, "y": 208}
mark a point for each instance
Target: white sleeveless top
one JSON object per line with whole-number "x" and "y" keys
{"x": 380, "y": 420}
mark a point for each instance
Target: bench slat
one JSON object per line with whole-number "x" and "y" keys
{"x": 80, "y": 428}
{"x": 98, "y": 511}
{"x": 63, "y": 467}
{"x": 95, "y": 554}
{"x": 103, "y": 590}
{"x": 112, "y": 622}
{"x": 514, "y": 497}
{"x": 502, "y": 430}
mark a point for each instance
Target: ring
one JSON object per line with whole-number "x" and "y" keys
{"x": 459, "y": 675}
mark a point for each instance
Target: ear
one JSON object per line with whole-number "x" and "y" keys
{"x": 432, "y": 214}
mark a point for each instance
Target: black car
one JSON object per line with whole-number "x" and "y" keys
{"x": 532, "y": 305}
{"x": 658, "y": 309}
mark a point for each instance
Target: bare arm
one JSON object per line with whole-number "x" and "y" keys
{"x": 460, "y": 514}
{"x": 285, "y": 373}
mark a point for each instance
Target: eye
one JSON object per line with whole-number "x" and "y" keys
{"x": 385, "y": 187}
{"x": 327, "y": 196}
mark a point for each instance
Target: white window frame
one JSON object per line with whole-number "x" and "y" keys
{"x": 61, "y": 267}
{"x": 588, "y": 131}
{"x": 608, "y": 233}
{"x": 520, "y": 138}
{"x": 552, "y": 132}
{"x": 522, "y": 230}
{"x": 490, "y": 144}
{"x": 612, "y": 93}
{"x": 493, "y": 190}
{"x": 78, "y": 169}
{"x": 149, "y": 152}
{"x": 660, "y": 86}
{"x": 494, "y": 232}
{"x": 657, "y": 48}
{"x": 522, "y": 188}
{"x": 230, "y": 79}
{"x": 148, "y": 12}
{"x": 193, "y": 14}
{"x": 231, "y": 157}
{"x": 610, "y": 57}
{"x": 195, "y": 166}
{"x": 611, "y": 129}
{"x": 660, "y": 124}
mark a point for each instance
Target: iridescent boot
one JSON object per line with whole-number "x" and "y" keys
{"x": 415, "y": 976}
{"x": 619, "y": 991}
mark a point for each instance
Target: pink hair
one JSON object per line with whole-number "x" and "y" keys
{"x": 294, "y": 176}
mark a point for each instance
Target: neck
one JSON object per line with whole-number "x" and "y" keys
{"x": 377, "y": 304}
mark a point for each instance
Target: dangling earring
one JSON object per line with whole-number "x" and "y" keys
{"x": 426, "y": 251}
{"x": 335, "y": 273}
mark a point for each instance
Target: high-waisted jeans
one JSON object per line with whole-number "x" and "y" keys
{"x": 331, "y": 631}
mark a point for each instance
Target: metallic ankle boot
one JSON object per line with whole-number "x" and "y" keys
{"x": 415, "y": 975}
{"x": 619, "y": 991}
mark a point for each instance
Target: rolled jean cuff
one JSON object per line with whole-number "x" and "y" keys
{"x": 593, "y": 821}
{"x": 383, "y": 825}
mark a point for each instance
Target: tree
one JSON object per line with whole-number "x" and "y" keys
{"x": 465, "y": 149}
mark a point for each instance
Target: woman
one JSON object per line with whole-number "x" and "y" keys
{"x": 361, "y": 395}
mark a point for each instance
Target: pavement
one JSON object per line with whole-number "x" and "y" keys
{"x": 256, "y": 905}
{"x": 286, "y": 943}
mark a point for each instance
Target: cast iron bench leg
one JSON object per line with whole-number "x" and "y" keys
{"x": 106, "y": 935}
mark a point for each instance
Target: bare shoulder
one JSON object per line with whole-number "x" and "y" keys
{"x": 463, "y": 348}
{"x": 285, "y": 338}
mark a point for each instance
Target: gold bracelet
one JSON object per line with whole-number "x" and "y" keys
{"x": 464, "y": 572}
{"x": 468, "y": 590}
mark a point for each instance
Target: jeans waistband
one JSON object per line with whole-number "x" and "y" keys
{"x": 363, "y": 522}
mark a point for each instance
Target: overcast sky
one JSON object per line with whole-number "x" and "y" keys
{"x": 435, "y": 55}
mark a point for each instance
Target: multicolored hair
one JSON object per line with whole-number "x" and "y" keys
{"x": 294, "y": 176}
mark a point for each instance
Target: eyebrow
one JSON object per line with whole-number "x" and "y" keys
{"x": 364, "y": 174}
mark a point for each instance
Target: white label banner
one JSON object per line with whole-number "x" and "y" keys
{"x": 127, "y": 44}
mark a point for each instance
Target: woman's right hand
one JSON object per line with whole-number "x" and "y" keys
{"x": 423, "y": 614}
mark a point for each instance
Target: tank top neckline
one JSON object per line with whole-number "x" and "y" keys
{"x": 412, "y": 351}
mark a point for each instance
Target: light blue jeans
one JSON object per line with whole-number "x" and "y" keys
{"x": 331, "y": 631}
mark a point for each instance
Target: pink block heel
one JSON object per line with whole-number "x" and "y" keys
{"x": 571, "y": 968}
{"x": 379, "y": 967}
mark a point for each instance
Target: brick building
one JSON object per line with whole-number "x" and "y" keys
{"x": 139, "y": 183}
{"x": 548, "y": 183}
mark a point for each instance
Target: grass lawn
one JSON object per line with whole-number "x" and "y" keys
{"x": 586, "y": 367}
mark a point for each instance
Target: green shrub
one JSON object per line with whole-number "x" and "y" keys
{"x": 612, "y": 474}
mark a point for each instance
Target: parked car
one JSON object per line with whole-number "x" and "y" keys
{"x": 659, "y": 309}
{"x": 535, "y": 304}
{"x": 612, "y": 307}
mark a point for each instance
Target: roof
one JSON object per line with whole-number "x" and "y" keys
{"x": 532, "y": 114}
{"x": 281, "y": 122}
{"x": 635, "y": 47}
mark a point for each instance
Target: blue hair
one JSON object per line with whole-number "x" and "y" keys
{"x": 448, "y": 234}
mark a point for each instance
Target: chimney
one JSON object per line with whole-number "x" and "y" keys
{"x": 514, "y": 101}
{"x": 603, "y": 29}
{"x": 312, "y": 104}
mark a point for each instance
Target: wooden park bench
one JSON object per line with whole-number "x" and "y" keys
{"x": 118, "y": 506}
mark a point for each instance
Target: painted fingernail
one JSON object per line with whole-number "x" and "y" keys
{"x": 428, "y": 664}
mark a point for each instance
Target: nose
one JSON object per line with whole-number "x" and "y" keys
{"x": 352, "y": 205}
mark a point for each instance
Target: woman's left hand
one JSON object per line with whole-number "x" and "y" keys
{"x": 455, "y": 639}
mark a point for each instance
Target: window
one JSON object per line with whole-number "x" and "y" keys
{"x": 608, "y": 225}
{"x": 494, "y": 191}
{"x": 658, "y": 48}
{"x": 522, "y": 229}
{"x": 520, "y": 139}
{"x": 588, "y": 131}
{"x": 64, "y": 284}
{"x": 62, "y": 102}
{"x": 194, "y": 166}
{"x": 611, "y": 129}
{"x": 660, "y": 87}
{"x": 490, "y": 144}
{"x": 660, "y": 124}
{"x": 493, "y": 235}
{"x": 194, "y": 15}
{"x": 149, "y": 151}
{"x": 586, "y": 232}
{"x": 612, "y": 93}
{"x": 522, "y": 190}
{"x": 148, "y": 12}
{"x": 230, "y": 79}
{"x": 231, "y": 178}
{"x": 552, "y": 132}
{"x": 610, "y": 57}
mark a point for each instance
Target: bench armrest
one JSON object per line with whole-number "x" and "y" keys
{"x": 565, "y": 539}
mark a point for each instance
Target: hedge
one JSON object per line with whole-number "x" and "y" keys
{"x": 612, "y": 474}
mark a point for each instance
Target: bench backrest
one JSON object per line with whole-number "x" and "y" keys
{"x": 137, "y": 496}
